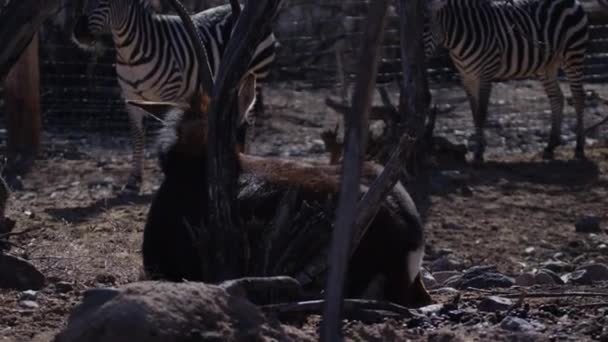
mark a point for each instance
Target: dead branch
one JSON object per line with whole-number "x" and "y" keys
{"x": 372, "y": 200}
{"x": 376, "y": 112}
{"x": 23, "y": 232}
{"x": 263, "y": 290}
{"x": 357, "y": 126}
{"x": 353, "y": 308}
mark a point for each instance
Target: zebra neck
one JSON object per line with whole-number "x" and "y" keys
{"x": 128, "y": 17}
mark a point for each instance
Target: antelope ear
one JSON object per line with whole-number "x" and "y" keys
{"x": 246, "y": 98}
{"x": 157, "y": 108}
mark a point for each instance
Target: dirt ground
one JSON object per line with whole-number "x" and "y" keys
{"x": 516, "y": 213}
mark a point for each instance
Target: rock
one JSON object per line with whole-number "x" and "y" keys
{"x": 494, "y": 303}
{"x": 28, "y": 295}
{"x": 29, "y": 304}
{"x": 442, "y": 276}
{"x": 517, "y": 324}
{"x": 428, "y": 280}
{"x": 588, "y": 224}
{"x": 525, "y": 279}
{"x": 168, "y": 312}
{"x": 105, "y": 279}
{"x": 446, "y": 263}
{"x": 19, "y": 274}
{"x": 483, "y": 277}
{"x": 63, "y": 287}
{"x": 446, "y": 291}
{"x": 548, "y": 277}
{"x": 558, "y": 266}
{"x": 586, "y": 275}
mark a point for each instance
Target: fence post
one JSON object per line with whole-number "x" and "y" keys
{"x": 22, "y": 103}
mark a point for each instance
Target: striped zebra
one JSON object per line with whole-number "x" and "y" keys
{"x": 155, "y": 58}
{"x": 513, "y": 39}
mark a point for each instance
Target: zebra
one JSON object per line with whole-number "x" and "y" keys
{"x": 513, "y": 39}
{"x": 155, "y": 58}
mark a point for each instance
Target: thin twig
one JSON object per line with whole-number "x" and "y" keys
{"x": 592, "y": 305}
{"x": 7, "y": 235}
{"x": 350, "y": 305}
{"x": 547, "y": 294}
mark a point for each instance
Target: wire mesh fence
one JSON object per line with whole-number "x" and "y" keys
{"x": 319, "y": 42}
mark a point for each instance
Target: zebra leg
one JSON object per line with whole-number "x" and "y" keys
{"x": 556, "y": 99}
{"x": 478, "y": 93}
{"x": 574, "y": 76}
{"x": 136, "y": 118}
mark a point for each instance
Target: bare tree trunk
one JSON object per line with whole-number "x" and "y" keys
{"x": 19, "y": 21}
{"x": 228, "y": 239}
{"x": 357, "y": 127}
{"x": 22, "y": 98}
{"x": 415, "y": 98}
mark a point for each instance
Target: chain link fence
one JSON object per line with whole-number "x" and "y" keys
{"x": 319, "y": 42}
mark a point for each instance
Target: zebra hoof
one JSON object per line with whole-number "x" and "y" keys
{"x": 580, "y": 155}
{"x": 133, "y": 185}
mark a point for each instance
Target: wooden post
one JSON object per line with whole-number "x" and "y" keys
{"x": 22, "y": 99}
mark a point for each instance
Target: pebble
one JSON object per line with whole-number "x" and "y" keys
{"x": 586, "y": 275}
{"x": 483, "y": 277}
{"x": 29, "y": 304}
{"x": 525, "y": 279}
{"x": 494, "y": 303}
{"x": 588, "y": 224}
{"x": 28, "y": 295}
{"x": 541, "y": 277}
{"x": 442, "y": 276}
{"x": 558, "y": 266}
{"x": 517, "y": 324}
{"x": 446, "y": 263}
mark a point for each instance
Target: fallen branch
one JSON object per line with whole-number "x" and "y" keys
{"x": 546, "y": 294}
{"x": 23, "y": 232}
{"x": 351, "y": 307}
{"x": 596, "y": 125}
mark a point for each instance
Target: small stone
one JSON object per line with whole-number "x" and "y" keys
{"x": 442, "y": 276}
{"x": 586, "y": 275}
{"x": 494, "y": 303}
{"x": 28, "y": 295}
{"x": 29, "y": 304}
{"x": 517, "y": 324}
{"x": 63, "y": 287}
{"x": 554, "y": 277}
{"x": 558, "y": 266}
{"x": 446, "y": 263}
{"x": 105, "y": 279}
{"x": 529, "y": 250}
{"x": 431, "y": 309}
{"x": 446, "y": 291}
{"x": 588, "y": 224}
{"x": 428, "y": 280}
{"x": 483, "y": 277}
{"x": 542, "y": 278}
{"x": 525, "y": 279}
{"x": 452, "y": 226}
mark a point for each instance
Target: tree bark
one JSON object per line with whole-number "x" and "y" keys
{"x": 22, "y": 98}
{"x": 357, "y": 127}
{"x": 415, "y": 99}
{"x": 229, "y": 240}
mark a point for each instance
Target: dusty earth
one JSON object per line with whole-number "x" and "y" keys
{"x": 516, "y": 213}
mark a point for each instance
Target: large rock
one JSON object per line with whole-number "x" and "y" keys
{"x": 18, "y": 274}
{"x": 169, "y": 312}
{"x": 483, "y": 277}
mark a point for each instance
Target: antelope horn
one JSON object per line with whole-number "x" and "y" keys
{"x": 236, "y": 9}
{"x": 205, "y": 75}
